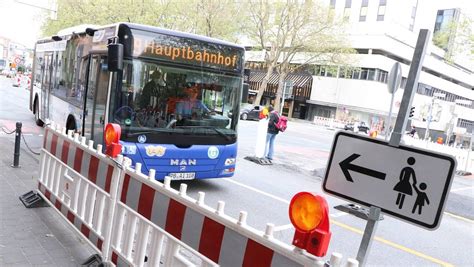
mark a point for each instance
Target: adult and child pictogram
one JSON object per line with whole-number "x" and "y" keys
{"x": 404, "y": 187}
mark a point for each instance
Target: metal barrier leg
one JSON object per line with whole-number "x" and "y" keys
{"x": 369, "y": 233}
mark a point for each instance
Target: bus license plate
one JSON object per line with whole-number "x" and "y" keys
{"x": 182, "y": 175}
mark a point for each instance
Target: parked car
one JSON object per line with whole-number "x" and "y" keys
{"x": 360, "y": 126}
{"x": 8, "y": 73}
{"x": 250, "y": 112}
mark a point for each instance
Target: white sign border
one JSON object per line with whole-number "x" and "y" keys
{"x": 447, "y": 186}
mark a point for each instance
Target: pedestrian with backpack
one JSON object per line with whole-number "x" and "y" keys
{"x": 276, "y": 124}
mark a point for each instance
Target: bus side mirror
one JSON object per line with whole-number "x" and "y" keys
{"x": 115, "y": 57}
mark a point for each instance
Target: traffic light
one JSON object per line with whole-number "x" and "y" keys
{"x": 412, "y": 112}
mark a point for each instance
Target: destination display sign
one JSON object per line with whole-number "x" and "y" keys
{"x": 186, "y": 50}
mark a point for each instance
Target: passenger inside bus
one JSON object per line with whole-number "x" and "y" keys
{"x": 152, "y": 91}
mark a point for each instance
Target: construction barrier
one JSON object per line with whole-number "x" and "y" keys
{"x": 81, "y": 184}
{"x": 134, "y": 220}
{"x": 463, "y": 157}
{"x": 329, "y": 122}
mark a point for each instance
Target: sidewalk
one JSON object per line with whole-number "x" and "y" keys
{"x": 37, "y": 236}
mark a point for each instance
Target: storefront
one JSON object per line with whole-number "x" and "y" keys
{"x": 295, "y": 103}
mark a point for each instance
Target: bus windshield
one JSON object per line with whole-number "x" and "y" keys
{"x": 157, "y": 100}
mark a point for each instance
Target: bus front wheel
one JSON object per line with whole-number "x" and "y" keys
{"x": 38, "y": 121}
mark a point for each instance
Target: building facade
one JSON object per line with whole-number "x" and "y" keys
{"x": 13, "y": 55}
{"x": 384, "y": 32}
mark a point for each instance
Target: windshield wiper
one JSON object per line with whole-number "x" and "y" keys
{"x": 217, "y": 130}
{"x": 146, "y": 132}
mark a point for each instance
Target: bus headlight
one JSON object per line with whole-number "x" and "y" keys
{"x": 229, "y": 161}
{"x": 228, "y": 170}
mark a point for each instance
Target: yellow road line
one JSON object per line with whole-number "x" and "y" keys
{"x": 392, "y": 244}
{"x": 459, "y": 217}
{"x": 350, "y": 228}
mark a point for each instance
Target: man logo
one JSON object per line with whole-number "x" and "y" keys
{"x": 183, "y": 162}
{"x": 213, "y": 152}
{"x": 141, "y": 139}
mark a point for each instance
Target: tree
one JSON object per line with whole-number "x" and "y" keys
{"x": 102, "y": 12}
{"x": 294, "y": 32}
{"x": 456, "y": 38}
{"x": 213, "y": 18}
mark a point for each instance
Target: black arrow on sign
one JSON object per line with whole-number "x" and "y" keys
{"x": 347, "y": 166}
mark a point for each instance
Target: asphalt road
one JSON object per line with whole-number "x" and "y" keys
{"x": 265, "y": 191}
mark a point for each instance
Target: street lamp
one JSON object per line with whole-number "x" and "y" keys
{"x": 430, "y": 115}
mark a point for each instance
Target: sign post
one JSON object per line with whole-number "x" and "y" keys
{"x": 394, "y": 79}
{"x": 412, "y": 83}
{"x": 404, "y": 182}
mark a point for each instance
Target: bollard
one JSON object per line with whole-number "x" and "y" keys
{"x": 16, "y": 153}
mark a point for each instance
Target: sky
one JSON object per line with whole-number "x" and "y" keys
{"x": 21, "y": 22}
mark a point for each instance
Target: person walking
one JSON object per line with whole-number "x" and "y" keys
{"x": 272, "y": 131}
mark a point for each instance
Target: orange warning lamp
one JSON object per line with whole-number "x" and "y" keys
{"x": 112, "y": 137}
{"x": 309, "y": 215}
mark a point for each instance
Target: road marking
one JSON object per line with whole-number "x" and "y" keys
{"x": 459, "y": 217}
{"x": 462, "y": 188}
{"x": 257, "y": 190}
{"x": 350, "y": 228}
{"x": 339, "y": 214}
{"x": 392, "y": 244}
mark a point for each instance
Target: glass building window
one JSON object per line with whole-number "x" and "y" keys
{"x": 381, "y": 10}
{"x": 363, "y": 13}
{"x": 363, "y": 10}
{"x": 347, "y": 13}
{"x": 413, "y": 16}
{"x": 347, "y": 10}
{"x": 355, "y": 74}
{"x": 363, "y": 74}
{"x": 371, "y": 75}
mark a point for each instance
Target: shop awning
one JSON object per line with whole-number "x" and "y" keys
{"x": 299, "y": 80}
{"x": 302, "y": 83}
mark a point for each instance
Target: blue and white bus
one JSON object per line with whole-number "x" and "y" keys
{"x": 175, "y": 95}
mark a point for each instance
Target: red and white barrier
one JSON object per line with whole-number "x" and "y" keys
{"x": 81, "y": 183}
{"x": 133, "y": 220}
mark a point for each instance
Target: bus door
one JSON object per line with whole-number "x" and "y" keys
{"x": 96, "y": 99}
{"x": 46, "y": 85}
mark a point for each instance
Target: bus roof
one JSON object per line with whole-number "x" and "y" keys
{"x": 82, "y": 28}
